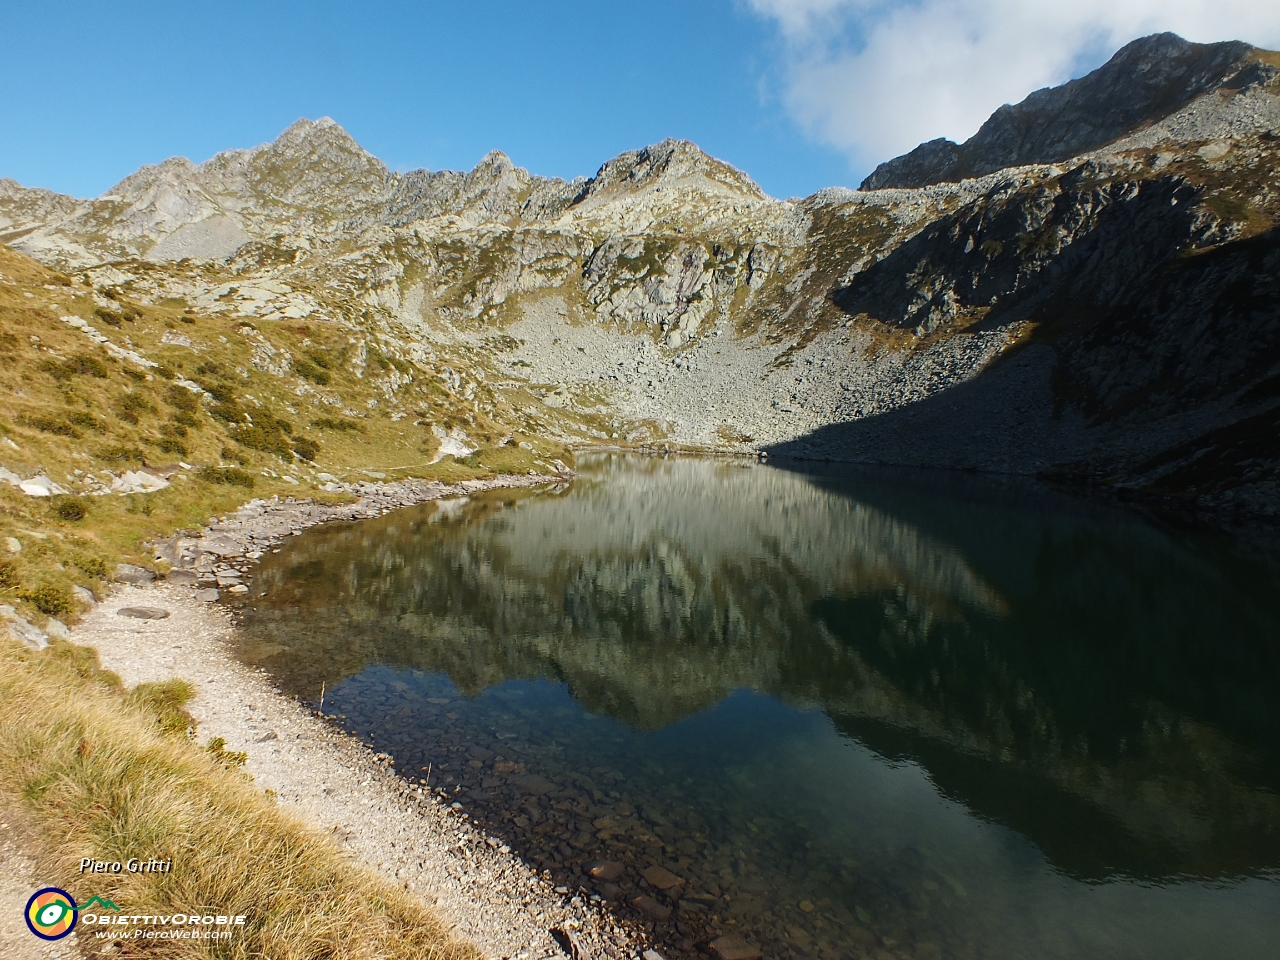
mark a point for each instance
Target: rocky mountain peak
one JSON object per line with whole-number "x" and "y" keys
{"x": 1145, "y": 81}
{"x": 667, "y": 163}
{"x": 315, "y": 163}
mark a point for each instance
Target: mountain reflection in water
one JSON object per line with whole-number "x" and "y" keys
{"x": 1102, "y": 686}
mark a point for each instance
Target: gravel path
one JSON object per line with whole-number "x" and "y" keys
{"x": 20, "y": 877}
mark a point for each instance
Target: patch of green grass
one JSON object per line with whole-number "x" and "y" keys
{"x": 340, "y": 424}
{"x": 310, "y": 371}
{"x": 166, "y": 700}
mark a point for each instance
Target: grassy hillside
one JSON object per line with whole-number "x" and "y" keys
{"x": 221, "y": 408}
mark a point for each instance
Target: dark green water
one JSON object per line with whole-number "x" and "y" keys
{"x": 880, "y": 716}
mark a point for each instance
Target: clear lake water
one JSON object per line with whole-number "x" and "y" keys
{"x": 846, "y": 713}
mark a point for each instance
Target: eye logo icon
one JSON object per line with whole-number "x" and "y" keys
{"x": 51, "y": 913}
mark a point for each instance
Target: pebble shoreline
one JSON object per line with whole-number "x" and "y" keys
{"x": 218, "y": 557}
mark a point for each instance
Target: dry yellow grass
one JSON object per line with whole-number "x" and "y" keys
{"x": 109, "y": 774}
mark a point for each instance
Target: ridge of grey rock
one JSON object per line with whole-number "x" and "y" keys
{"x": 1145, "y": 81}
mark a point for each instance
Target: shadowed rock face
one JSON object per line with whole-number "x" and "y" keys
{"x": 1146, "y": 80}
{"x": 1100, "y": 685}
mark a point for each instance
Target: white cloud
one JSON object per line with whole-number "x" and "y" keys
{"x": 876, "y": 77}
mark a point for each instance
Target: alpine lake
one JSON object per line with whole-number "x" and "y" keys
{"x": 840, "y": 714}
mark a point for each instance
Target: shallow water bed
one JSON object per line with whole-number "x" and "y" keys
{"x": 839, "y": 716}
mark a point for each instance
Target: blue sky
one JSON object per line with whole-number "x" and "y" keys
{"x": 801, "y": 94}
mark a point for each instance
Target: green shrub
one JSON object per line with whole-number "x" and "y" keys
{"x": 227, "y": 411}
{"x": 81, "y": 364}
{"x": 70, "y": 508}
{"x": 54, "y": 425}
{"x": 132, "y": 406}
{"x": 8, "y": 574}
{"x": 264, "y": 438}
{"x": 109, "y": 317}
{"x": 83, "y": 418}
{"x": 120, "y": 453}
{"x": 180, "y": 398}
{"x": 94, "y": 566}
{"x": 49, "y": 599}
{"x": 221, "y": 392}
{"x": 172, "y": 445}
{"x": 230, "y": 476}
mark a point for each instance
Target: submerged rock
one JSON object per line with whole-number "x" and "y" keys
{"x": 652, "y": 908}
{"x": 733, "y": 947}
{"x": 661, "y": 877}
{"x": 606, "y": 870}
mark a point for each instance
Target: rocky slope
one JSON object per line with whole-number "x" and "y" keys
{"x": 1146, "y": 81}
{"x": 1096, "y": 300}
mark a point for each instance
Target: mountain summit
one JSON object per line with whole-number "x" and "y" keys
{"x": 1146, "y": 81}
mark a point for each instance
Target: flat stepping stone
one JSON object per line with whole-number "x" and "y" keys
{"x": 143, "y": 613}
{"x": 208, "y": 595}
